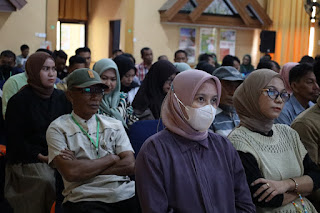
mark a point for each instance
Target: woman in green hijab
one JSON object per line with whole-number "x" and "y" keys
{"x": 114, "y": 102}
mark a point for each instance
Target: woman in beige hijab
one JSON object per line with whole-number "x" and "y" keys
{"x": 278, "y": 168}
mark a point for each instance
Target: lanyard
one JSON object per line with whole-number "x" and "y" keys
{"x": 95, "y": 144}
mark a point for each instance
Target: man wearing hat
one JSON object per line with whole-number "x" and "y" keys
{"x": 92, "y": 152}
{"x": 226, "y": 118}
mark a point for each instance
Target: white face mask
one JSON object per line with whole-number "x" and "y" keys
{"x": 199, "y": 118}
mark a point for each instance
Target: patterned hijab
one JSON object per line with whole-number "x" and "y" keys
{"x": 185, "y": 86}
{"x": 110, "y": 101}
{"x": 284, "y": 72}
{"x": 151, "y": 95}
{"x": 33, "y": 67}
{"x": 246, "y": 100}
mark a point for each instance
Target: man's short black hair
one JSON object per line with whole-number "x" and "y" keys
{"x": 276, "y": 64}
{"x": 180, "y": 51}
{"x": 236, "y": 59}
{"x": 8, "y": 54}
{"x": 76, "y": 60}
{"x": 204, "y": 57}
{"x": 306, "y": 59}
{"x": 130, "y": 56}
{"x": 316, "y": 70}
{"x": 144, "y": 49}
{"x": 116, "y": 51}
{"x": 298, "y": 71}
{"x": 228, "y": 60}
{"x": 82, "y": 49}
{"x": 60, "y": 54}
{"x": 24, "y": 47}
{"x": 44, "y": 50}
{"x": 265, "y": 64}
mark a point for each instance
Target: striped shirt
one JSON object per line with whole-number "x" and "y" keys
{"x": 142, "y": 71}
{"x": 225, "y": 121}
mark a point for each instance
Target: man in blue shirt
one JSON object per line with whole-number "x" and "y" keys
{"x": 305, "y": 91}
{"x": 226, "y": 118}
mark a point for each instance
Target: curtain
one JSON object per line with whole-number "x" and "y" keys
{"x": 73, "y": 10}
{"x": 292, "y": 25}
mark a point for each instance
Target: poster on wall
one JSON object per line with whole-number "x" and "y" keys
{"x": 187, "y": 43}
{"x": 227, "y": 42}
{"x": 208, "y": 40}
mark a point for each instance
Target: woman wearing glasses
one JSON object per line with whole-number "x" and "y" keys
{"x": 278, "y": 168}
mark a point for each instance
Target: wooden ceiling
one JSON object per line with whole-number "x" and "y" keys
{"x": 11, "y": 5}
{"x": 169, "y": 13}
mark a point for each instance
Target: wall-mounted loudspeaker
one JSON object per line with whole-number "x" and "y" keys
{"x": 267, "y": 41}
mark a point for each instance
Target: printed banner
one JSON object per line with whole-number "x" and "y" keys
{"x": 187, "y": 43}
{"x": 227, "y": 42}
{"x": 208, "y": 40}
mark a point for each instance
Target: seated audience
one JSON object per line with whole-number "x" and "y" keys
{"x": 205, "y": 66}
{"x": 236, "y": 63}
{"x": 246, "y": 66}
{"x": 207, "y": 58}
{"x": 148, "y": 100}
{"x": 226, "y": 118}
{"x": 114, "y": 102}
{"x": 30, "y": 182}
{"x": 185, "y": 168}
{"x": 181, "y": 66}
{"x": 269, "y": 64}
{"x": 275, "y": 66}
{"x": 284, "y": 72}
{"x": 278, "y": 168}
{"x": 60, "y": 58}
{"x": 163, "y": 57}
{"x": 232, "y": 61}
{"x": 116, "y": 53}
{"x": 127, "y": 73}
{"x": 75, "y": 62}
{"x": 305, "y": 91}
{"x": 21, "y": 59}
{"x": 91, "y": 151}
{"x": 85, "y": 53}
{"x": 306, "y": 59}
{"x": 181, "y": 56}
{"x": 307, "y": 125}
{"x": 215, "y": 60}
{"x": 316, "y": 70}
{"x": 7, "y": 66}
{"x": 144, "y": 67}
{"x": 11, "y": 87}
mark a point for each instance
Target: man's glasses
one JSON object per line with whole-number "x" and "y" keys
{"x": 91, "y": 91}
{"x": 274, "y": 94}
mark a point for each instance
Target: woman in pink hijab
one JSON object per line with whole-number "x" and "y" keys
{"x": 285, "y": 75}
{"x": 185, "y": 168}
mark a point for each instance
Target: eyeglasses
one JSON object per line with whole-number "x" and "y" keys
{"x": 274, "y": 94}
{"x": 91, "y": 91}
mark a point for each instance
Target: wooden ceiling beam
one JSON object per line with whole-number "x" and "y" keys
{"x": 176, "y": 7}
{"x": 240, "y": 6}
{"x": 211, "y": 21}
{"x": 266, "y": 21}
{"x": 202, "y": 5}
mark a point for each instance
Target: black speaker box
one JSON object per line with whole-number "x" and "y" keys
{"x": 267, "y": 41}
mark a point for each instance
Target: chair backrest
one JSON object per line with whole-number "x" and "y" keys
{"x": 140, "y": 131}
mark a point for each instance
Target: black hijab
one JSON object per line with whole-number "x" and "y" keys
{"x": 125, "y": 64}
{"x": 151, "y": 94}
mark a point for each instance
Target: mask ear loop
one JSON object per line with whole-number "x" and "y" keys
{"x": 180, "y": 103}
